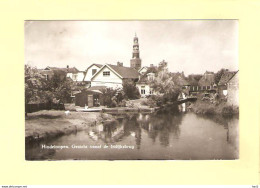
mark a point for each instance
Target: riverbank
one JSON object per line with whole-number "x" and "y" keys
{"x": 208, "y": 108}
{"x": 47, "y": 124}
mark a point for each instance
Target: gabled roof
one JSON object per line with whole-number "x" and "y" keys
{"x": 226, "y": 76}
{"x": 98, "y": 65}
{"x": 67, "y": 70}
{"x": 145, "y": 67}
{"x": 125, "y": 72}
{"x": 120, "y": 71}
{"x": 207, "y": 79}
{"x": 179, "y": 79}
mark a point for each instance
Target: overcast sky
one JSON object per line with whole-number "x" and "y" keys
{"x": 189, "y": 46}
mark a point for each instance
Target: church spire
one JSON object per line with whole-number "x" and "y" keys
{"x": 136, "y": 61}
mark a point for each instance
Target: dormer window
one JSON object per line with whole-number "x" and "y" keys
{"x": 106, "y": 73}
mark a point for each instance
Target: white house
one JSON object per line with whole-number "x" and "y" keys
{"x": 113, "y": 76}
{"x": 76, "y": 76}
{"x": 91, "y": 70}
{"x": 144, "y": 86}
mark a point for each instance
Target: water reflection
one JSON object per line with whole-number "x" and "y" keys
{"x": 155, "y": 136}
{"x": 160, "y": 126}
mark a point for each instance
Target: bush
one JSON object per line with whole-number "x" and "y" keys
{"x": 112, "y": 97}
{"x": 228, "y": 110}
{"x": 150, "y": 102}
{"x": 130, "y": 90}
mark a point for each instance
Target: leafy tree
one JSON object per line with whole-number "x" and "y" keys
{"x": 60, "y": 86}
{"x": 35, "y": 86}
{"x": 164, "y": 85}
{"x": 130, "y": 90}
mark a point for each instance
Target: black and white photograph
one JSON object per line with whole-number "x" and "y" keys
{"x": 131, "y": 90}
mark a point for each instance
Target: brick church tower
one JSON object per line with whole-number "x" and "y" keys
{"x": 136, "y": 62}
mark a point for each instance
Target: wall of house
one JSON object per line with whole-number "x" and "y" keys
{"x": 80, "y": 76}
{"x": 233, "y": 91}
{"x": 113, "y": 80}
{"x": 76, "y": 77}
{"x": 146, "y": 88}
{"x": 89, "y": 72}
{"x": 144, "y": 70}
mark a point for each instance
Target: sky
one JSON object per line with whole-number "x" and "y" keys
{"x": 192, "y": 46}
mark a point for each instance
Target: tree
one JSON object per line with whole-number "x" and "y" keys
{"x": 164, "y": 84}
{"x": 130, "y": 90}
{"x": 60, "y": 86}
{"x": 35, "y": 86}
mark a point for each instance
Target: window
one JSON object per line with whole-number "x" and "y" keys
{"x": 106, "y": 73}
{"x": 143, "y": 90}
{"x": 74, "y": 77}
{"x": 46, "y": 76}
{"x": 94, "y": 71}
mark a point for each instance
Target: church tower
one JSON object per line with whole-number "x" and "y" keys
{"x": 136, "y": 62}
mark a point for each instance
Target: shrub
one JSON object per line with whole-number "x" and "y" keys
{"x": 150, "y": 102}
{"x": 227, "y": 110}
{"x": 130, "y": 90}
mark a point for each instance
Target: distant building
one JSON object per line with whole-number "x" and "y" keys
{"x": 72, "y": 73}
{"x": 222, "y": 84}
{"x": 205, "y": 84}
{"x": 136, "y": 62}
{"x": 233, "y": 90}
{"x": 113, "y": 76}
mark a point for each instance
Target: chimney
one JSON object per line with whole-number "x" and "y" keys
{"x": 68, "y": 66}
{"x": 119, "y": 64}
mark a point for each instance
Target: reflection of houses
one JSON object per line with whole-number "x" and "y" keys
{"x": 233, "y": 90}
{"x": 114, "y": 76}
{"x": 223, "y": 83}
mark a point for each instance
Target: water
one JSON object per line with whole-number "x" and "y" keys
{"x": 181, "y": 136}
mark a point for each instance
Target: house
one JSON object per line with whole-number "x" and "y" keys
{"x": 180, "y": 80}
{"x": 206, "y": 84}
{"x": 222, "y": 84}
{"x": 143, "y": 70}
{"x": 91, "y": 70}
{"x": 113, "y": 76}
{"x": 233, "y": 90}
{"x": 72, "y": 73}
{"x": 143, "y": 83}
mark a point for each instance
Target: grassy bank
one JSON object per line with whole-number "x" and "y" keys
{"x": 208, "y": 108}
{"x": 52, "y": 123}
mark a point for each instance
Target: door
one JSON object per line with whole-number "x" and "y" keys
{"x": 90, "y": 101}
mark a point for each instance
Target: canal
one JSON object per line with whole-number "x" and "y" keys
{"x": 179, "y": 136}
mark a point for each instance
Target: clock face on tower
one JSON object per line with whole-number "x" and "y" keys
{"x": 136, "y": 41}
{"x": 136, "y": 47}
